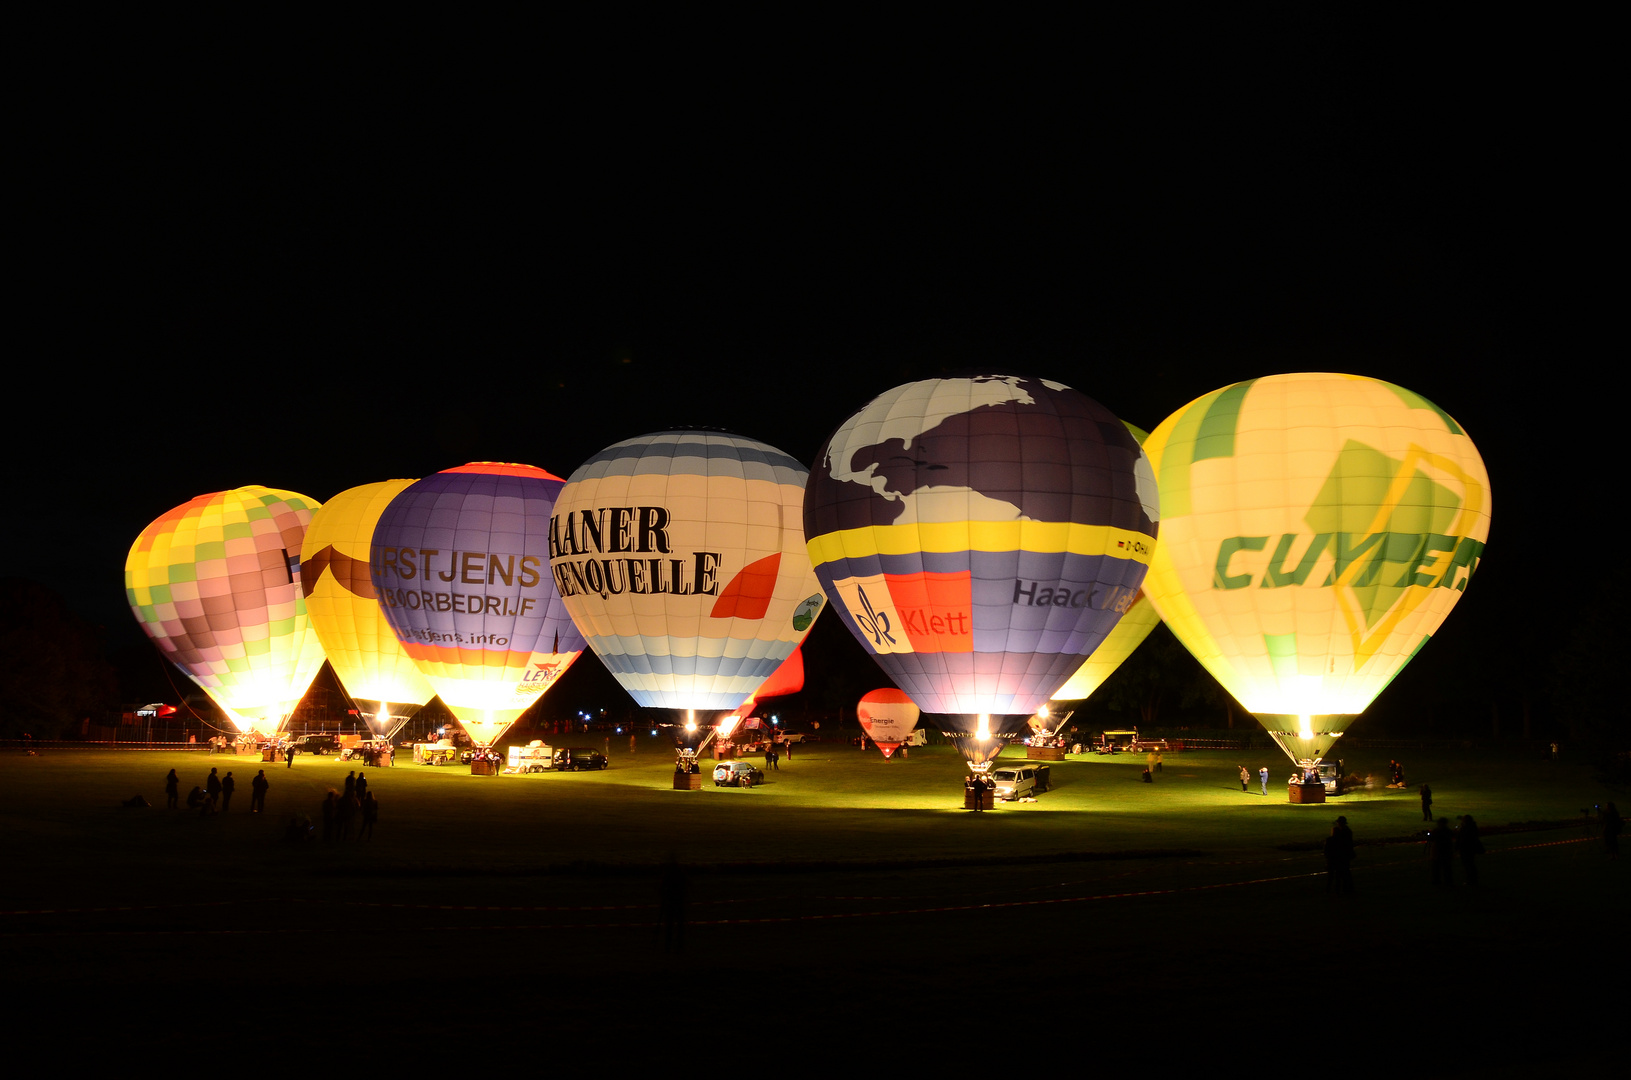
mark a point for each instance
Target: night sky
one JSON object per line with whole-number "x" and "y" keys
{"x": 317, "y": 276}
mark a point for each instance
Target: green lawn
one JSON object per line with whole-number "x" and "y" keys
{"x": 840, "y": 860}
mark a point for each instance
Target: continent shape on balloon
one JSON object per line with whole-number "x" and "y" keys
{"x": 460, "y": 562}
{"x": 215, "y": 583}
{"x": 681, "y": 557}
{"x": 1317, "y": 529}
{"x": 981, "y": 536}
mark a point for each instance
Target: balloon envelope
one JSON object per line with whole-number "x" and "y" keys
{"x": 681, "y": 557}
{"x": 1135, "y": 625}
{"x": 216, "y": 584}
{"x": 888, "y": 717}
{"x": 460, "y": 562}
{"x": 344, "y": 608}
{"x": 1317, "y": 528}
{"x": 980, "y": 536}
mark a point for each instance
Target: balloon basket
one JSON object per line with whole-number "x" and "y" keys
{"x": 984, "y": 795}
{"x": 484, "y": 768}
{"x": 1045, "y": 753}
{"x": 687, "y": 781}
{"x": 272, "y": 753}
{"x": 1306, "y": 793}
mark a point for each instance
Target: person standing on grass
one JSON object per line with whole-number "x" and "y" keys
{"x": 212, "y": 786}
{"x": 1426, "y": 803}
{"x": 1263, "y": 775}
{"x": 1245, "y": 778}
{"x": 228, "y": 786}
{"x": 1339, "y": 855}
{"x": 257, "y": 792}
{"x": 1441, "y": 849}
{"x": 172, "y": 790}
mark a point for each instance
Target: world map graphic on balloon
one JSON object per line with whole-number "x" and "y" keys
{"x": 980, "y": 536}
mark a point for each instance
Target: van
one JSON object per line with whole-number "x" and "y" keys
{"x": 1014, "y": 782}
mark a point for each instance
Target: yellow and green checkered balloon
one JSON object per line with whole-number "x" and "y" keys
{"x": 216, "y": 584}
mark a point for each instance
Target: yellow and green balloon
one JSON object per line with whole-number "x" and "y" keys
{"x": 1316, "y": 530}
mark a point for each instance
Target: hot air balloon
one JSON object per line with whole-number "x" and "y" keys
{"x": 888, "y": 717}
{"x": 382, "y": 679}
{"x": 460, "y": 563}
{"x": 786, "y": 679}
{"x": 1135, "y": 625}
{"x": 1317, "y": 530}
{"x": 979, "y": 537}
{"x": 681, "y": 557}
{"x": 216, "y": 584}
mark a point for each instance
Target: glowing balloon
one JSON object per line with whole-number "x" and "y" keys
{"x": 681, "y": 557}
{"x": 979, "y": 537}
{"x": 216, "y": 584}
{"x": 460, "y": 563}
{"x": 1118, "y": 645}
{"x": 1316, "y": 530}
{"x": 888, "y": 717}
{"x": 787, "y": 679}
{"x": 373, "y": 667}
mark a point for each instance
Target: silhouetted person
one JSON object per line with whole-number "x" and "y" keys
{"x": 172, "y": 790}
{"x": 288, "y": 758}
{"x": 362, "y": 785}
{"x": 1339, "y": 855}
{"x": 1469, "y": 847}
{"x": 349, "y": 810}
{"x": 257, "y": 792}
{"x": 1245, "y": 778}
{"x": 1148, "y": 779}
{"x": 1441, "y": 848}
{"x": 350, "y": 785}
{"x": 1426, "y": 803}
{"x": 228, "y": 786}
{"x": 212, "y": 785}
{"x": 195, "y": 798}
{"x": 1613, "y": 825}
{"x": 370, "y": 814}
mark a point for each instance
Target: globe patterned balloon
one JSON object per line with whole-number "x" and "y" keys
{"x": 215, "y": 583}
{"x": 980, "y": 536}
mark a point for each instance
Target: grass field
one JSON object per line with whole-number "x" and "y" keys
{"x": 846, "y": 887}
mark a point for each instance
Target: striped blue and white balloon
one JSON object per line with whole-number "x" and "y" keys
{"x": 681, "y": 558}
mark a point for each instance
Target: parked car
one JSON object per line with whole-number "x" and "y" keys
{"x": 737, "y": 774}
{"x": 1018, "y": 781}
{"x": 316, "y": 744}
{"x": 577, "y": 758}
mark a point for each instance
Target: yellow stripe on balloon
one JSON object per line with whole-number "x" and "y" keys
{"x": 1040, "y": 537}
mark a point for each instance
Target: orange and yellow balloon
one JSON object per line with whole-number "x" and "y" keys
{"x": 371, "y": 663}
{"x": 216, "y": 584}
{"x": 1316, "y": 530}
